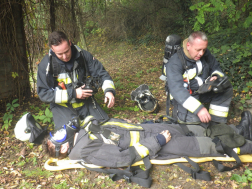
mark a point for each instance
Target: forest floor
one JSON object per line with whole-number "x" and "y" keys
{"x": 22, "y": 163}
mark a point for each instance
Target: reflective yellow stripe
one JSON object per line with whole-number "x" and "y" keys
{"x": 64, "y": 77}
{"x": 91, "y": 136}
{"x": 238, "y": 150}
{"x": 218, "y": 113}
{"x": 74, "y": 105}
{"x": 61, "y": 96}
{"x": 61, "y": 104}
{"x": 77, "y": 105}
{"x": 134, "y": 137}
{"x": 191, "y": 73}
{"x": 87, "y": 119}
{"x": 123, "y": 125}
{"x": 191, "y": 104}
{"x": 218, "y": 73}
{"x": 141, "y": 150}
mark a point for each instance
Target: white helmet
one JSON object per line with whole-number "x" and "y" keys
{"x": 22, "y": 131}
{"x": 27, "y": 128}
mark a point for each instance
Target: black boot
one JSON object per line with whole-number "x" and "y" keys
{"x": 245, "y": 125}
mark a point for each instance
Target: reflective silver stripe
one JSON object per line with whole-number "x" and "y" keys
{"x": 219, "y": 108}
{"x": 141, "y": 150}
{"x": 75, "y": 75}
{"x": 61, "y": 96}
{"x": 64, "y": 77}
{"x": 134, "y": 137}
{"x": 191, "y": 73}
{"x": 191, "y": 104}
{"x": 165, "y": 60}
{"x": 220, "y": 111}
{"x": 108, "y": 84}
{"x": 218, "y": 73}
{"x": 199, "y": 80}
{"x": 199, "y": 66}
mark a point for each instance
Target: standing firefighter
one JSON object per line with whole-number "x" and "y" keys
{"x": 194, "y": 76}
{"x": 68, "y": 77}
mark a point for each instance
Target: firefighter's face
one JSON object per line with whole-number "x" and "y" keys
{"x": 197, "y": 48}
{"x": 63, "y": 51}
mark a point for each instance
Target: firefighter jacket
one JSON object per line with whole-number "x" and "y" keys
{"x": 97, "y": 149}
{"x": 49, "y": 92}
{"x": 197, "y": 73}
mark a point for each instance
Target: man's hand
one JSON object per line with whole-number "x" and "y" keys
{"x": 213, "y": 78}
{"x": 83, "y": 93}
{"x": 109, "y": 96}
{"x": 204, "y": 116}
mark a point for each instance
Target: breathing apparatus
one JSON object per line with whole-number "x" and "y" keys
{"x": 146, "y": 101}
{"x": 65, "y": 134}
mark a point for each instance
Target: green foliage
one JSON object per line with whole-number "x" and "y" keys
{"x": 47, "y": 117}
{"x": 212, "y": 13}
{"x": 38, "y": 172}
{"x": 12, "y": 106}
{"x": 7, "y": 118}
{"x": 119, "y": 85}
{"x": 14, "y": 74}
{"x": 139, "y": 73}
{"x": 246, "y": 177}
{"x": 235, "y": 60}
{"x": 61, "y": 185}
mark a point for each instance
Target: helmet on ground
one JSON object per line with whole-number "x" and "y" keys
{"x": 27, "y": 128}
{"x": 145, "y": 100}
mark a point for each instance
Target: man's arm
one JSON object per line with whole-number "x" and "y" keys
{"x": 96, "y": 69}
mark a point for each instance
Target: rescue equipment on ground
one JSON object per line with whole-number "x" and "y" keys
{"x": 27, "y": 128}
{"x": 65, "y": 134}
{"x": 145, "y": 100}
{"x": 217, "y": 86}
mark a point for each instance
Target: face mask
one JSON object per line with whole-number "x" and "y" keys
{"x": 60, "y": 135}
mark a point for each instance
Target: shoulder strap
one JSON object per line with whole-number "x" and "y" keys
{"x": 182, "y": 58}
{"x": 83, "y": 61}
{"x": 55, "y": 67}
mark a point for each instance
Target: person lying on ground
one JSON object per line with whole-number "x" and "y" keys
{"x": 112, "y": 143}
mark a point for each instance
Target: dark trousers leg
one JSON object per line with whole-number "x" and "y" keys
{"x": 219, "y": 104}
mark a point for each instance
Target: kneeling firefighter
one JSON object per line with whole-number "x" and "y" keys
{"x": 194, "y": 77}
{"x": 68, "y": 78}
{"x": 116, "y": 143}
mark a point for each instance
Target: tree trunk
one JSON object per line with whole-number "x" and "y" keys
{"x": 52, "y": 15}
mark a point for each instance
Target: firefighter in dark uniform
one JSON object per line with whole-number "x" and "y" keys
{"x": 62, "y": 81}
{"x": 183, "y": 84}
